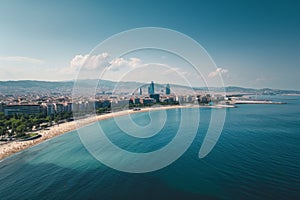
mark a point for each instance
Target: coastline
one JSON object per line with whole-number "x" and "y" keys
{"x": 10, "y": 148}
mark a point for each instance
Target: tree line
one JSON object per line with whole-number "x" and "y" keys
{"x": 18, "y": 125}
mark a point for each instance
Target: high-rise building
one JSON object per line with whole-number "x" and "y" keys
{"x": 168, "y": 90}
{"x": 141, "y": 91}
{"x": 68, "y": 107}
{"x": 50, "y": 108}
{"x": 151, "y": 88}
{"x": 59, "y": 108}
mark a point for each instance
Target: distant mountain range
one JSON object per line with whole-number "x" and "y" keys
{"x": 66, "y": 87}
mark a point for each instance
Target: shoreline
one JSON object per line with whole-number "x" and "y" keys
{"x": 10, "y": 148}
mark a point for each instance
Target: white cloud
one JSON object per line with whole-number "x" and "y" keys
{"x": 119, "y": 63}
{"x": 91, "y": 66}
{"x": 21, "y": 59}
{"x": 126, "y": 69}
{"x": 217, "y": 71}
{"x": 89, "y": 62}
{"x": 96, "y": 62}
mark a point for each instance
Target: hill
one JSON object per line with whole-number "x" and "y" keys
{"x": 66, "y": 87}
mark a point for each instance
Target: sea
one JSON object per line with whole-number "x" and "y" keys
{"x": 257, "y": 156}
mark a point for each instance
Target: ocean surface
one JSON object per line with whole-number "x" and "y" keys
{"x": 256, "y": 157}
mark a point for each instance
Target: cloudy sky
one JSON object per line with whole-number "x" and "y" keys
{"x": 253, "y": 43}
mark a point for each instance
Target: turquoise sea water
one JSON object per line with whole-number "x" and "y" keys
{"x": 256, "y": 157}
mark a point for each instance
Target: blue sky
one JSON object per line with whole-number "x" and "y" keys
{"x": 256, "y": 42}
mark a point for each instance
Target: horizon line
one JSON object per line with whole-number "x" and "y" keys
{"x": 72, "y": 80}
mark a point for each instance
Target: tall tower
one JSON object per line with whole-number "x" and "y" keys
{"x": 151, "y": 88}
{"x": 168, "y": 90}
{"x": 141, "y": 91}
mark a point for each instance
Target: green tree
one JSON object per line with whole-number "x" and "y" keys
{"x": 35, "y": 122}
{"x": 56, "y": 120}
{"x": 2, "y": 131}
{"x": 20, "y": 130}
{"x": 2, "y": 116}
{"x": 49, "y": 120}
{"x": 28, "y": 124}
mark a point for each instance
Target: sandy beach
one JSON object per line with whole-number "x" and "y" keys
{"x": 9, "y": 148}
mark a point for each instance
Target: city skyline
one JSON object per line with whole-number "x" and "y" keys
{"x": 256, "y": 45}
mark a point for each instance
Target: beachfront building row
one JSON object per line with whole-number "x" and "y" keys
{"x": 171, "y": 99}
{"x": 90, "y": 105}
{"x": 35, "y": 109}
{"x": 30, "y": 109}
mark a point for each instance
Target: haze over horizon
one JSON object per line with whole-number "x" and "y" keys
{"x": 160, "y": 83}
{"x": 254, "y": 44}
